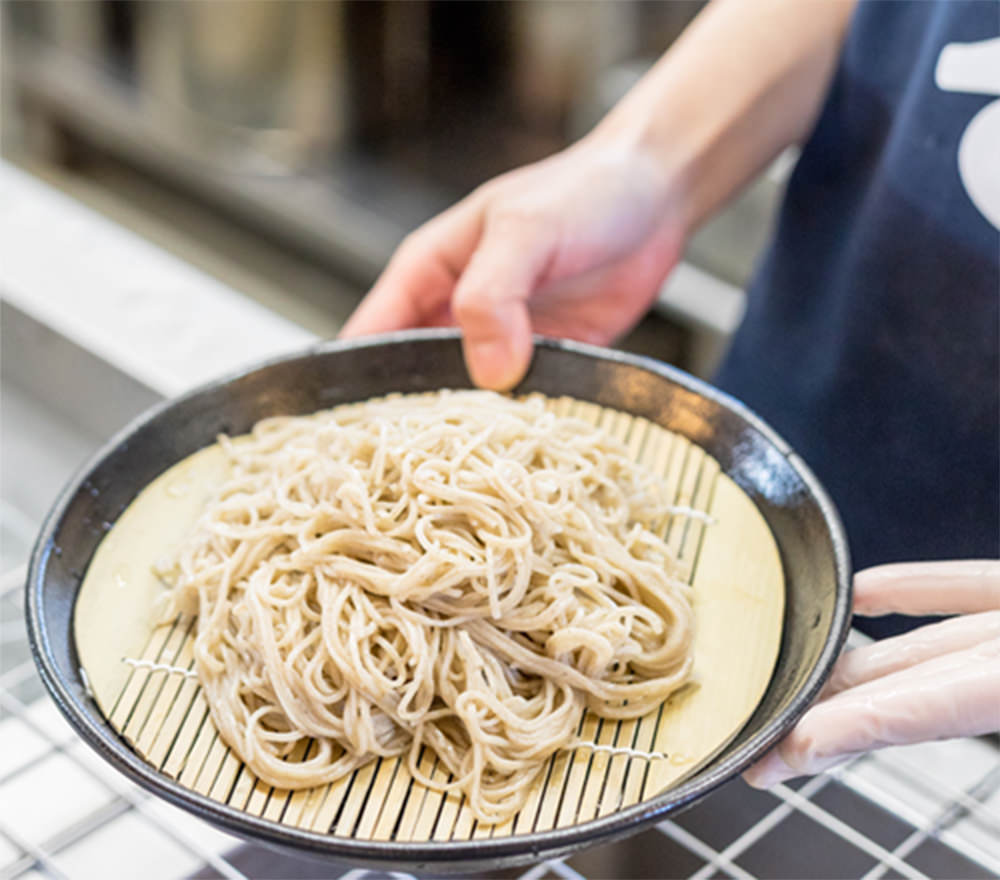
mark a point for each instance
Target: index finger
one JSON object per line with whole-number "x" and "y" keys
{"x": 949, "y": 587}
{"x": 420, "y": 278}
{"x": 950, "y": 696}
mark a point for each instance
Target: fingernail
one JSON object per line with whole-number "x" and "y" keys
{"x": 493, "y": 365}
{"x": 769, "y": 771}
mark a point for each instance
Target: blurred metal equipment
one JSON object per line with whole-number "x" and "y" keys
{"x": 331, "y": 125}
{"x": 259, "y": 84}
{"x": 331, "y": 128}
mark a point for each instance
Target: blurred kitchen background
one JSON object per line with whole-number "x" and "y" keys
{"x": 287, "y": 147}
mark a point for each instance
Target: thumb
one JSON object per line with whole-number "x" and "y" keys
{"x": 491, "y": 302}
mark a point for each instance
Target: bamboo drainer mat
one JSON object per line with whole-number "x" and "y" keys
{"x": 732, "y": 562}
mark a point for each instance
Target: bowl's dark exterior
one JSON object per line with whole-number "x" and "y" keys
{"x": 803, "y": 520}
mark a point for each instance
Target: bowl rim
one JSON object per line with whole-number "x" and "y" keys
{"x": 70, "y": 697}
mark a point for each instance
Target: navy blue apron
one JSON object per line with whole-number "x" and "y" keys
{"x": 871, "y": 335}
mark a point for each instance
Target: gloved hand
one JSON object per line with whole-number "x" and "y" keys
{"x": 936, "y": 682}
{"x": 576, "y": 245}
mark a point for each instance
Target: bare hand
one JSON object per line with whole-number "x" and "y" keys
{"x": 574, "y": 246}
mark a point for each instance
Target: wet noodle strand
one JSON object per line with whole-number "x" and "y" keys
{"x": 459, "y": 571}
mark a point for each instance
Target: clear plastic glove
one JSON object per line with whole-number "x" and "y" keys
{"x": 576, "y": 245}
{"x": 936, "y": 682}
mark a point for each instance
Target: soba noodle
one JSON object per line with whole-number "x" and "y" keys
{"x": 459, "y": 572}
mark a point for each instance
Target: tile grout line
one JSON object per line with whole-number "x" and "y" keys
{"x": 135, "y": 798}
{"x": 847, "y": 832}
{"x": 535, "y": 872}
{"x": 117, "y": 805}
{"x": 760, "y": 828}
{"x": 701, "y": 849}
{"x": 893, "y": 803}
{"x": 372, "y": 874}
{"x": 901, "y": 851}
{"x": 40, "y": 858}
{"x": 23, "y": 526}
{"x": 977, "y": 810}
{"x": 21, "y": 865}
{"x": 13, "y": 578}
{"x": 18, "y": 675}
{"x": 558, "y": 866}
{"x": 77, "y": 831}
{"x": 214, "y": 860}
{"x": 11, "y": 632}
{"x": 957, "y": 796}
{"x": 942, "y": 821}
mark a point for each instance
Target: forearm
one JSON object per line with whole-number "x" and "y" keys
{"x": 746, "y": 80}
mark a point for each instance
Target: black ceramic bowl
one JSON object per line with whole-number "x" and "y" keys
{"x": 800, "y": 515}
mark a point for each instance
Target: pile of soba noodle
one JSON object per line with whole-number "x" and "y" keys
{"x": 460, "y": 572}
